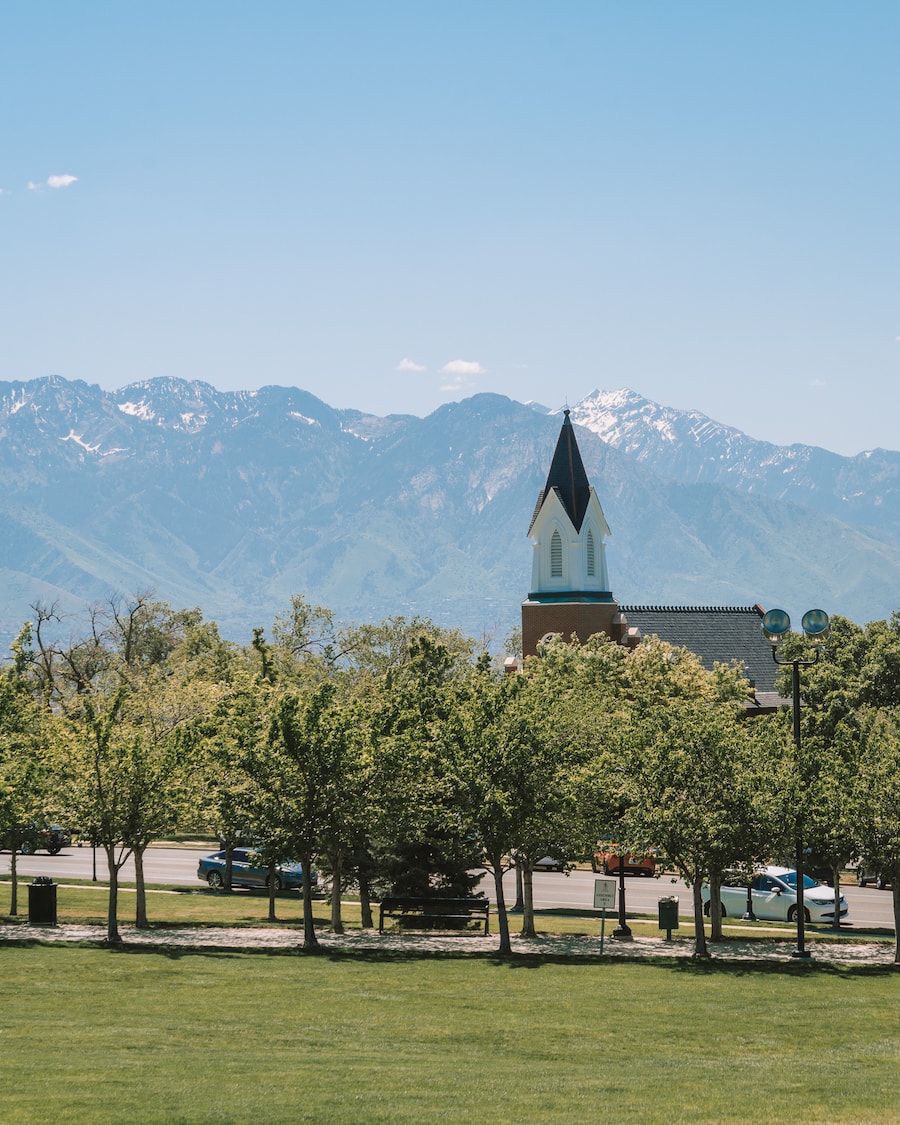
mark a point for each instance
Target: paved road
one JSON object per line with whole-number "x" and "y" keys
{"x": 869, "y": 907}
{"x": 161, "y": 865}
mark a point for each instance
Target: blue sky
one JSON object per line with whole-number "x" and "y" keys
{"x": 396, "y": 205}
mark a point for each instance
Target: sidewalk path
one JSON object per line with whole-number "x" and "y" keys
{"x": 250, "y": 938}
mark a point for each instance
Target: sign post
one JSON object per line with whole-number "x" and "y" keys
{"x": 604, "y": 899}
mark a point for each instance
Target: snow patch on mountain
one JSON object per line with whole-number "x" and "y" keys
{"x": 79, "y": 440}
{"x": 141, "y": 410}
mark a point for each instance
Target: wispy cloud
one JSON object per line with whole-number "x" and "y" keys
{"x": 461, "y": 374}
{"x": 463, "y": 367}
{"x": 817, "y": 384}
{"x": 407, "y": 364}
{"x": 54, "y": 182}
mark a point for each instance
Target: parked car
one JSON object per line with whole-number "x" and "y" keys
{"x": 548, "y": 863}
{"x": 609, "y": 862}
{"x": 249, "y": 870}
{"x": 51, "y": 840}
{"x": 870, "y": 873}
{"x": 773, "y": 894}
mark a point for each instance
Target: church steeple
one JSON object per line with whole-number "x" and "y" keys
{"x": 569, "y": 584}
{"x": 567, "y": 475}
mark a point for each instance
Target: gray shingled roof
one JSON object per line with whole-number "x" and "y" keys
{"x": 714, "y": 633}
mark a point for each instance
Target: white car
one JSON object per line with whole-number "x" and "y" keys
{"x": 773, "y": 893}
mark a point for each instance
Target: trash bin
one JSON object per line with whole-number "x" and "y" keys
{"x": 42, "y": 901}
{"x": 668, "y": 913}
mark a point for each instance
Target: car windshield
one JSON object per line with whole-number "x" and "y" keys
{"x": 790, "y": 877}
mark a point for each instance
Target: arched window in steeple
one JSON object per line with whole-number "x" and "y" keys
{"x": 591, "y": 559}
{"x": 556, "y": 555}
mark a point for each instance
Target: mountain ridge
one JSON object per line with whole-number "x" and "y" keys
{"x": 688, "y": 447}
{"x": 234, "y": 501}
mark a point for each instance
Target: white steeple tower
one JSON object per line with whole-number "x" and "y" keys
{"x": 569, "y": 581}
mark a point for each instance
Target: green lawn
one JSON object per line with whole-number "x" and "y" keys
{"x": 91, "y": 1035}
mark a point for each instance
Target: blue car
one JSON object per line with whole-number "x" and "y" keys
{"x": 248, "y": 870}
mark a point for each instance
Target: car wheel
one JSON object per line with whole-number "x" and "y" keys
{"x": 28, "y": 849}
{"x": 277, "y": 882}
{"x": 594, "y": 867}
{"x": 215, "y": 880}
{"x": 880, "y": 883}
{"x": 792, "y": 914}
{"x": 604, "y": 867}
{"x": 55, "y": 850}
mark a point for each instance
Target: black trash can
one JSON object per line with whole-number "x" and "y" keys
{"x": 42, "y": 901}
{"x": 668, "y": 914}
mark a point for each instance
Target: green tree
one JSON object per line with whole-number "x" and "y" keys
{"x": 123, "y": 697}
{"x": 298, "y": 782}
{"x": 852, "y": 672}
{"x": 498, "y": 766}
{"x": 25, "y": 784}
{"x": 689, "y": 781}
{"x": 877, "y": 799}
{"x": 419, "y": 845}
{"x": 682, "y": 796}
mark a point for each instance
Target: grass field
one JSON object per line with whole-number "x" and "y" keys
{"x": 96, "y": 1036}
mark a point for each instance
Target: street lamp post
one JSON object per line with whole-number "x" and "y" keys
{"x": 748, "y": 915}
{"x": 776, "y": 625}
{"x": 623, "y": 930}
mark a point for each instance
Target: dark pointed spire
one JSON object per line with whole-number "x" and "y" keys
{"x": 567, "y": 475}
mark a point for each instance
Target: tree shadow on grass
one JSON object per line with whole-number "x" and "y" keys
{"x": 793, "y": 967}
{"x": 697, "y": 967}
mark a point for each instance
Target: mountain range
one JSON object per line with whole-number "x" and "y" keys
{"x": 235, "y": 501}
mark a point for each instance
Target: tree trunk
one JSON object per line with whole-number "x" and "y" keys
{"x": 715, "y": 907}
{"x": 895, "y": 895}
{"x": 836, "y": 879}
{"x": 502, "y": 919}
{"x": 229, "y": 859}
{"x": 270, "y": 882}
{"x": 519, "y": 905}
{"x": 140, "y": 916}
{"x": 337, "y": 872}
{"x": 365, "y": 903}
{"x": 700, "y": 949}
{"x": 112, "y": 918}
{"x": 14, "y": 878}
{"x": 527, "y": 901}
{"x": 310, "y": 941}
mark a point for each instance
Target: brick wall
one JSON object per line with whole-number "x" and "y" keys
{"x": 584, "y": 619}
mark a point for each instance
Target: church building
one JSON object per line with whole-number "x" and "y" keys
{"x": 570, "y": 590}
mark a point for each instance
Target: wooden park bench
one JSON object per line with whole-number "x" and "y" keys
{"x": 434, "y": 913}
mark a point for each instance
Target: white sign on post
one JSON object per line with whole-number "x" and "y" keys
{"x": 604, "y": 899}
{"x": 605, "y": 894}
